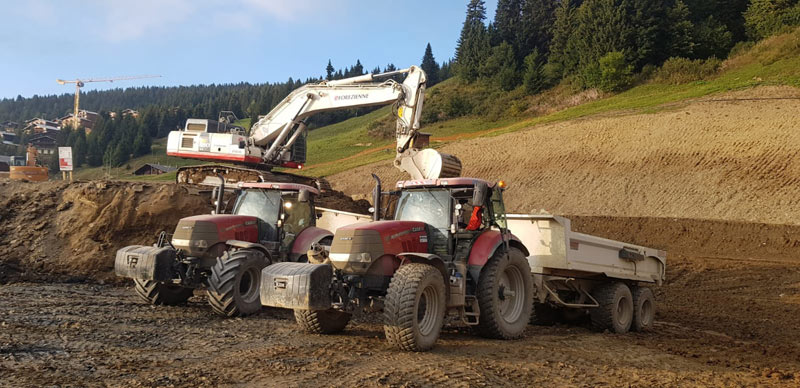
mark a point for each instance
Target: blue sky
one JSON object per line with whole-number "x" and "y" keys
{"x": 213, "y": 41}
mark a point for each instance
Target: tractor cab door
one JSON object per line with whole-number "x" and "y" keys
{"x": 297, "y": 215}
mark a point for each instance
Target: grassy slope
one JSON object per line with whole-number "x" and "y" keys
{"x": 775, "y": 61}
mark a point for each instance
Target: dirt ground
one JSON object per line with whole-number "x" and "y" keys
{"x": 730, "y": 319}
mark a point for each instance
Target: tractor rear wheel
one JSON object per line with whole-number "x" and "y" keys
{"x": 644, "y": 308}
{"x": 158, "y": 293}
{"x": 233, "y": 287}
{"x": 322, "y": 321}
{"x": 615, "y": 312}
{"x": 414, "y": 307}
{"x": 505, "y": 295}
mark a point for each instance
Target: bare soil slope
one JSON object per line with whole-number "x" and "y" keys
{"x": 75, "y": 229}
{"x": 730, "y": 157}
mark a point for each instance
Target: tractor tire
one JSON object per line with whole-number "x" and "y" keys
{"x": 615, "y": 312}
{"x": 505, "y": 295}
{"x": 322, "y": 321}
{"x": 644, "y": 308}
{"x": 233, "y": 287}
{"x": 544, "y": 314}
{"x": 162, "y": 294}
{"x": 414, "y": 307}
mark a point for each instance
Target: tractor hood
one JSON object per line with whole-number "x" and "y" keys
{"x": 196, "y": 235}
{"x": 355, "y": 247}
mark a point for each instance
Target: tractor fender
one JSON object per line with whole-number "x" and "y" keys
{"x": 250, "y": 245}
{"x": 487, "y": 243}
{"x": 308, "y": 236}
{"x": 424, "y": 258}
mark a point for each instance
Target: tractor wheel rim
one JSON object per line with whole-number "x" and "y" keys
{"x": 511, "y": 294}
{"x": 427, "y": 308}
{"x": 248, "y": 284}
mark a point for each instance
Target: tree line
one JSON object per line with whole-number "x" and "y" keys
{"x": 601, "y": 43}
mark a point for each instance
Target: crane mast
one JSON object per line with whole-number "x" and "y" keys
{"x": 273, "y": 137}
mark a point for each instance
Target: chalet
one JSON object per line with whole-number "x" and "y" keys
{"x": 153, "y": 169}
{"x": 45, "y": 143}
{"x": 39, "y": 125}
{"x": 87, "y": 119}
{"x": 9, "y": 138}
{"x": 130, "y": 112}
{"x": 9, "y": 126}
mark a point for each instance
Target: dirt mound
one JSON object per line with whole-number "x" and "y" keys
{"x": 75, "y": 229}
{"x": 728, "y": 157}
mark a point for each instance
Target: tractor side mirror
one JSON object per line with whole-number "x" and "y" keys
{"x": 303, "y": 196}
{"x": 479, "y": 192}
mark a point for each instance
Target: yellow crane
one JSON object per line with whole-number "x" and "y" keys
{"x": 79, "y": 83}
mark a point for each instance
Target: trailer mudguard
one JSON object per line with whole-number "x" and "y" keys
{"x": 487, "y": 243}
{"x": 308, "y": 236}
{"x": 300, "y": 286}
{"x": 145, "y": 262}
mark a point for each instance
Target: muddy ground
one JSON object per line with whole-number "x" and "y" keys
{"x": 726, "y": 320}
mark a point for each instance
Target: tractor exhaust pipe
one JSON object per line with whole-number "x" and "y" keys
{"x": 220, "y": 193}
{"x": 376, "y": 199}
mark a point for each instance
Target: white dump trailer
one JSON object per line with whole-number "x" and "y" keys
{"x": 577, "y": 275}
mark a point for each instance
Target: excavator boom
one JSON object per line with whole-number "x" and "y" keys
{"x": 278, "y": 139}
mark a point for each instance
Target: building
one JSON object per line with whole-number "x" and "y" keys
{"x": 130, "y": 112}
{"x": 8, "y": 138}
{"x": 9, "y": 126}
{"x": 153, "y": 169}
{"x": 39, "y": 125}
{"x": 45, "y": 143}
{"x": 87, "y": 120}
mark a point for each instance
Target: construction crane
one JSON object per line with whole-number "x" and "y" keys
{"x": 79, "y": 83}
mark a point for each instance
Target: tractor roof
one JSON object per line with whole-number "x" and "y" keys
{"x": 278, "y": 186}
{"x": 443, "y": 182}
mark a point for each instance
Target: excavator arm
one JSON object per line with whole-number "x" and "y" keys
{"x": 274, "y": 136}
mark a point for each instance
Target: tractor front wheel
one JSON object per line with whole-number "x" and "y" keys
{"x": 323, "y": 321}
{"x": 158, "y": 293}
{"x": 414, "y": 307}
{"x": 233, "y": 287}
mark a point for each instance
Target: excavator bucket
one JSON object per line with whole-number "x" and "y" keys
{"x": 428, "y": 164}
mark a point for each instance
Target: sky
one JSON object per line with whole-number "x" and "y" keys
{"x": 191, "y": 42}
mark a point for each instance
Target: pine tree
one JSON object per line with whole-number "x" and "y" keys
{"x": 680, "y": 40}
{"x": 430, "y": 67}
{"x": 507, "y": 22}
{"x": 537, "y": 25}
{"x": 358, "y": 69}
{"x": 502, "y": 67}
{"x": 329, "y": 70}
{"x": 562, "y": 57}
{"x": 533, "y": 78}
{"x": 766, "y": 17}
{"x": 473, "y": 44}
{"x": 602, "y": 27}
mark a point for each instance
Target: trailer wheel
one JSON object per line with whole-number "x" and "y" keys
{"x": 644, "y": 308}
{"x": 323, "y": 321}
{"x": 414, "y": 307}
{"x": 615, "y": 312}
{"x": 158, "y": 293}
{"x": 233, "y": 287}
{"x": 505, "y": 295}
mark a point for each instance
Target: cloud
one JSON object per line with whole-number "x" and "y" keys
{"x": 286, "y": 10}
{"x": 123, "y": 20}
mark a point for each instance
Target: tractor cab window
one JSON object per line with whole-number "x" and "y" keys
{"x": 262, "y": 204}
{"x": 498, "y": 209}
{"x": 429, "y": 206}
{"x": 297, "y": 215}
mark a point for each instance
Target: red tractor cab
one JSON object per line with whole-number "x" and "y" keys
{"x": 447, "y": 251}
{"x": 225, "y": 253}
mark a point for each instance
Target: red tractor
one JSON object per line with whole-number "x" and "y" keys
{"x": 447, "y": 252}
{"x": 225, "y": 253}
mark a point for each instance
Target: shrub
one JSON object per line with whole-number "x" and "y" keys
{"x": 534, "y": 78}
{"x": 382, "y": 128}
{"x": 611, "y": 73}
{"x": 682, "y": 70}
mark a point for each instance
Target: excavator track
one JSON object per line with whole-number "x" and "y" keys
{"x": 208, "y": 174}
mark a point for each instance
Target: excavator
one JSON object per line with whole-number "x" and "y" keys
{"x": 278, "y": 140}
